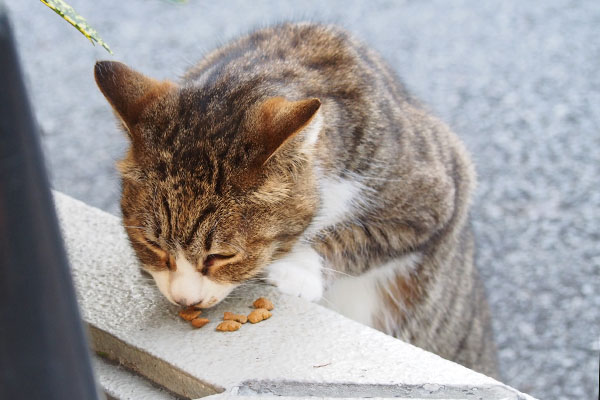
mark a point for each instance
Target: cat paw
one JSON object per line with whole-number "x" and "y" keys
{"x": 295, "y": 281}
{"x": 298, "y": 274}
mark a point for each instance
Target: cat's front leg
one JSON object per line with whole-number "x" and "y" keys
{"x": 298, "y": 273}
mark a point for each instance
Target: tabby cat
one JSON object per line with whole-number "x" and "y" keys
{"x": 295, "y": 153}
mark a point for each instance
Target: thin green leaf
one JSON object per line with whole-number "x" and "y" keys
{"x": 68, "y": 14}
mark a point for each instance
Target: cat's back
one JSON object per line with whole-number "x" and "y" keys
{"x": 365, "y": 105}
{"x": 318, "y": 60}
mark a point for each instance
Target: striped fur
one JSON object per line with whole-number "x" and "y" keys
{"x": 295, "y": 151}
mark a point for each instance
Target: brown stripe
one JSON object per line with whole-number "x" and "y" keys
{"x": 167, "y": 210}
{"x": 208, "y": 239}
{"x": 203, "y": 215}
{"x": 219, "y": 180}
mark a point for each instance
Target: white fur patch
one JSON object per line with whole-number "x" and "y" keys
{"x": 185, "y": 282}
{"x": 162, "y": 282}
{"x": 313, "y": 129}
{"x": 202, "y": 80}
{"x": 298, "y": 273}
{"x": 358, "y": 298}
{"x": 340, "y": 198}
{"x": 187, "y": 286}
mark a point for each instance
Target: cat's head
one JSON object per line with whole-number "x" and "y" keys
{"x": 216, "y": 183}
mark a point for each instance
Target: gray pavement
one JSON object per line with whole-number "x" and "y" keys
{"x": 517, "y": 80}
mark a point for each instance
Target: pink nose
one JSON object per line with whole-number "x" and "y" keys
{"x": 183, "y": 301}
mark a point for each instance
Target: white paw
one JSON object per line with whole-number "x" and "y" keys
{"x": 295, "y": 281}
{"x": 298, "y": 274}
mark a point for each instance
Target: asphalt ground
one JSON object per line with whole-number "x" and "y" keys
{"x": 518, "y": 81}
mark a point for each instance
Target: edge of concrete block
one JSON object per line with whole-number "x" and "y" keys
{"x": 120, "y": 383}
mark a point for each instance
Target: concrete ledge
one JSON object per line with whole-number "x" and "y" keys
{"x": 121, "y": 384}
{"x": 304, "y": 350}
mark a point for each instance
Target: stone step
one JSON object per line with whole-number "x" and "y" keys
{"x": 303, "y": 350}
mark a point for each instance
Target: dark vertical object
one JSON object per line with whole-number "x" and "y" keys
{"x": 43, "y": 351}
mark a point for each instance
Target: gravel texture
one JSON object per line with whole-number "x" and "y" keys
{"x": 517, "y": 80}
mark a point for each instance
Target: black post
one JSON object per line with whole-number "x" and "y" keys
{"x": 43, "y": 351}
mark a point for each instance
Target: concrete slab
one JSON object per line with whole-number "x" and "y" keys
{"x": 121, "y": 384}
{"x": 304, "y": 350}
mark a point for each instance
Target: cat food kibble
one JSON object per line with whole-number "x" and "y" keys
{"x": 260, "y": 314}
{"x": 263, "y": 302}
{"x": 189, "y": 313}
{"x": 200, "y": 322}
{"x": 228, "y": 326}
{"x": 229, "y": 316}
{"x": 231, "y": 321}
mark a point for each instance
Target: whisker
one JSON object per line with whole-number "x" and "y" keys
{"x": 258, "y": 282}
{"x": 339, "y": 272}
{"x": 392, "y": 296}
{"x": 329, "y": 302}
{"x": 373, "y": 178}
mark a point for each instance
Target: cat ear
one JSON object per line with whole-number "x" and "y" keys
{"x": 128, "y": 92}
{"x": 278, "y": 120}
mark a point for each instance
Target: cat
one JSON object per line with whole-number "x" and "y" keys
{"x": 296, "y": 154}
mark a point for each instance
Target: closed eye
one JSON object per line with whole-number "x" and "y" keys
{"x": 165, "y": 257}
{"x": 154, "y": 246}
{"x": 153, "y": 243}
{"x": 211, "y": 259}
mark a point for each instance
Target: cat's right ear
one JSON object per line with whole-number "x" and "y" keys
{"x": 128, "y": 92}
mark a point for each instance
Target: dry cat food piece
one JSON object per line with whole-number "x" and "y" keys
{"x": 200, "y": 322}
{"x": 260, "y": 314}
{"x": 189, "y": 313}
{"x": 229, "y": 316}
{"x": 263, "y": 302}
{"x": 228, "y": 326}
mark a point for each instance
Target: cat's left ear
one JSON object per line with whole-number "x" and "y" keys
{"x": 279, "y": 120}
{"x": 128, "y": 92}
